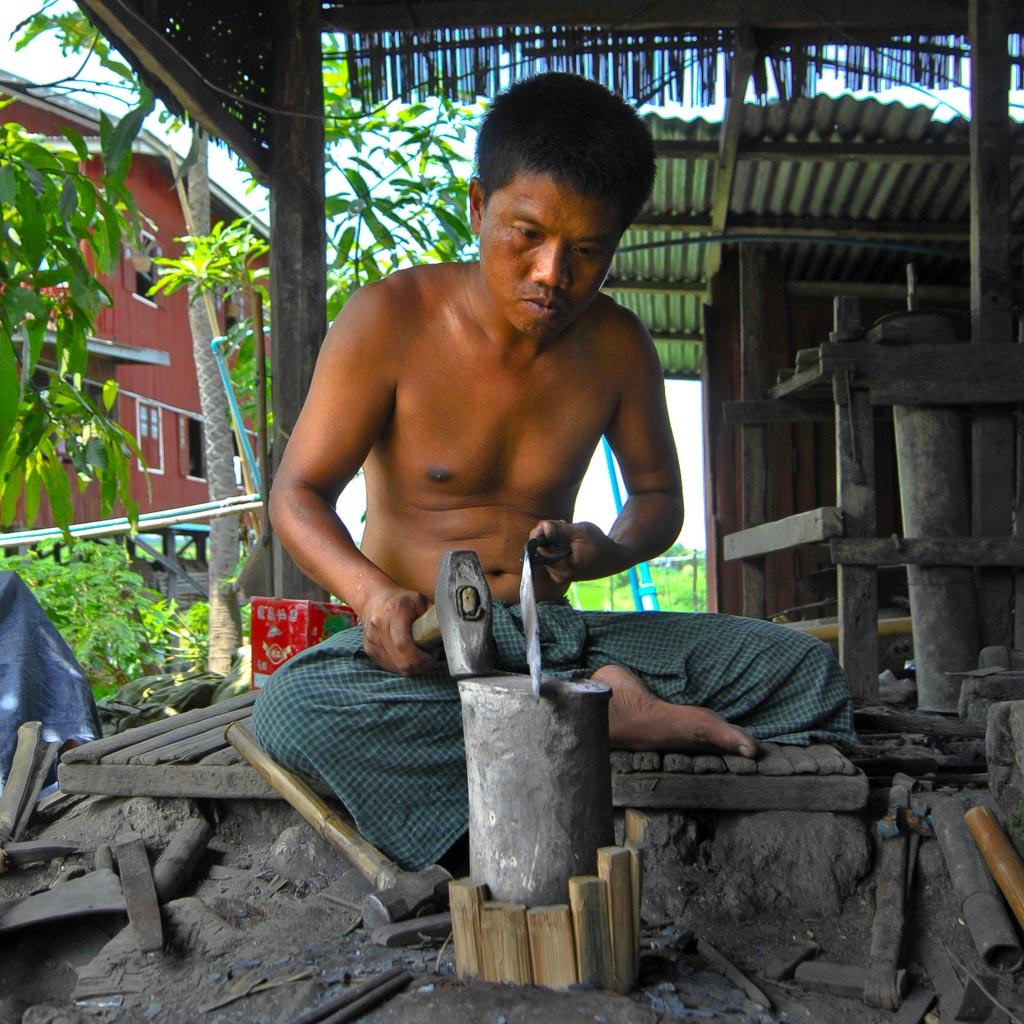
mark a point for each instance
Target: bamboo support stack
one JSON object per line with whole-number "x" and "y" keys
{"x": 593, "y": 938}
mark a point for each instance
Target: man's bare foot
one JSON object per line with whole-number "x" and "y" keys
{"x": 637, "y": 720}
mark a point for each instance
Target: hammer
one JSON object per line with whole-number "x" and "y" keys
{"x": 460, "y": 618}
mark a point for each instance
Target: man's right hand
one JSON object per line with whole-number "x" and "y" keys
{"x": 387, "y": 619}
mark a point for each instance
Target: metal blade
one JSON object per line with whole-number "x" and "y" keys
{"x": 531, "y": 628}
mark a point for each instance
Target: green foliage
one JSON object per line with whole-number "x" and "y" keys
{"x": 56, "y": 221}
{"x": 118, "y": 628}
{"x": 679, "y": 579}
{"x": 401, "y": 185}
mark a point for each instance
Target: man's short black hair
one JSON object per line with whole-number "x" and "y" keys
{"x": 573, "y": 130}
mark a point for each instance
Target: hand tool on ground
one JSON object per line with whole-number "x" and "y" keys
{"x": 16, "y": 855}
{"x": 399, "y": 894}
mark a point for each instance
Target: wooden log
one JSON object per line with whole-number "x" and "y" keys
{"x": 677, "y": 763}
{"x": 19, "y": 779}
{"x": 191, "y": 748}
{"x": 830, "y": 761}
{"x": 465, "y": 899}
{"x": 505, "y": 943}
{"x": 588, "y": 900}
{"x": 614, "y": 866}
{"x": 708, "y": 764}
{"x": 228, "y": 755}
{"x": 139, "y": 891}
{"x": 45, "y": 754}
{"x": 98, "y": 892}
{"x": 552, "y": 948}
{"x": 621, "y": 762}
{"x": 742, "y": 792}
{"x": 91, "y": 753}
{"x": 177, "y": 864}
{"x": 839, "y": 979}
{"x": 773, "y": 761}
{"x": 803, "y": 762}
{"x": 892, "y": 720}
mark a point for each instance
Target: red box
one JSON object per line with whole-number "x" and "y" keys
{"x": 281, "y": 627}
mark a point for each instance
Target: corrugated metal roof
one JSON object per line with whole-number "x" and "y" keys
{"x": 849, "y": 191}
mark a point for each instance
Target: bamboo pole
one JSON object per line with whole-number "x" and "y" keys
{"x": 466, "y": 899}
{"x": 1000, "y": 855}
{"x": 552, "y": 947}
{"x": 614, "y": 866}
{"x": 505, "y": 943}
{"x": 588, "y": 899}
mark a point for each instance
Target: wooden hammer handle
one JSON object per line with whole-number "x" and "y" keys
{"x": 426, "y": 631}
{"x": 336, "y": 829}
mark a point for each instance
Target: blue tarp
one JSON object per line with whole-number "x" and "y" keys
{"x": 40, "y": 679}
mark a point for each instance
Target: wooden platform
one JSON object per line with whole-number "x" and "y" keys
{"x": 187, "y": 756}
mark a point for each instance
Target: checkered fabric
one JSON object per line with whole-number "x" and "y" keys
{"x": 391, "y": 747}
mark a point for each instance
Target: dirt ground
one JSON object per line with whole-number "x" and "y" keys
{"x": 268, "y": 906}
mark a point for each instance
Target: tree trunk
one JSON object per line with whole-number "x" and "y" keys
{"x": 223, "y": 553}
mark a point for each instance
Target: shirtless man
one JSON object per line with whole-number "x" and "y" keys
{"x": 473, "y": 396}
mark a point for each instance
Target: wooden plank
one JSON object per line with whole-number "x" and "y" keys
{"x": 588, "y": 900}
{"x": 192, "y": 748}
{"x": 213, "y": 724}
{"x": 818, "y": 524}
{"x": 971, "y": 551}
{"x": 92, "y": 752}
{"x": 466, "y": 898}
{"x": 185, "y": 780}
{"x": 893, "y": 720}
{"x": 737, "y": 414}
{"x": 139, "y": 891}
{"x": 741, "y": 792}
{"x": 505, "y": 943}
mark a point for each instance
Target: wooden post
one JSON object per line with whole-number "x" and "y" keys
{"x": 753, "y": 457}
{"x": 505, "y": 943}
{"x": 855, "y": 491}
{"x": 636, "y": 880}
{"x": 614, "y": 865}
{"x": 552, "y": 949}
{"x": 588, "y": 898}
{"x": 465, "y": 899}
{"x": 991, "y": 300}
{"x": 298, "y": 237}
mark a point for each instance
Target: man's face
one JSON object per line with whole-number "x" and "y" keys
{"x": 545, "y": 250}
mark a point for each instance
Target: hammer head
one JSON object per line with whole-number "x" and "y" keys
{"x": 463, "y": 602}
{"x": 412, "y": 894}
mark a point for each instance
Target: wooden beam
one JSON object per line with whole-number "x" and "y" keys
{"x": 736, "y": 414}
{"x": 152, "y": 52}
{"x": 753, "y": 437}
{"x": 298, "y": 239}
{"x": 897, "y": 293}
{"x": 615, "y": 284}
{"x": 837, "y": 16}
{"x": 993, "y": 431}
{"x": 741, "y": 792}
{"x": 819, "y": 524}
{"x": 729, "y": 142}
{"x": 1000, "y": 551}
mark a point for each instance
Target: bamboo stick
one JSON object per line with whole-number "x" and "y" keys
{"x": 552, "y": 947}
{"x": 505, "y": 943}
{"x": 588, "y": 899}
{"x": 466, "y": 898}
{"x": 1000, "y": 855}
{"x": 614, "y": 865}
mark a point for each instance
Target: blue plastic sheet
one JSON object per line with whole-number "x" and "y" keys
{"x": 40, "y": 679}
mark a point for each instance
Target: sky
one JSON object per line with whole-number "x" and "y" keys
{"x": 42, "y": 61}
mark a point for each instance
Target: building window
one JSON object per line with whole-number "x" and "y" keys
{"x": 140, "y": 270}
{"x": 191, "y": 447}
{"x": 150, "y": 436}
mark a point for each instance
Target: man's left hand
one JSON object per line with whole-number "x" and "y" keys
{"x": 575, "y": 551}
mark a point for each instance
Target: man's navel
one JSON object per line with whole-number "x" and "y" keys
{"x": 439, "y": 474}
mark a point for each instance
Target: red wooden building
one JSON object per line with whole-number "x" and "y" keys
{"x": 143, "y": 343}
